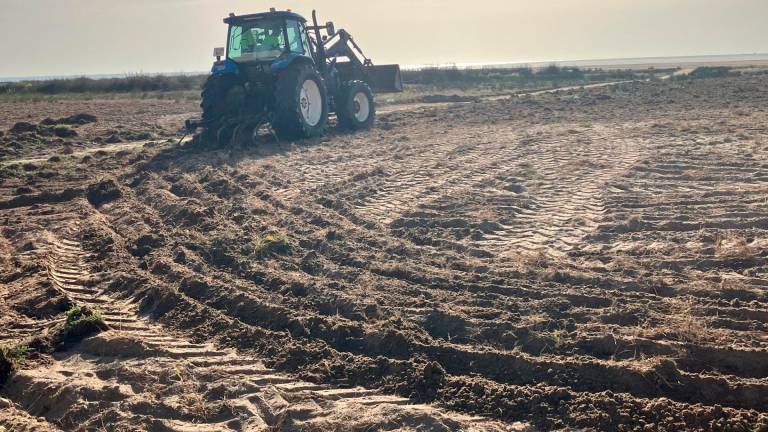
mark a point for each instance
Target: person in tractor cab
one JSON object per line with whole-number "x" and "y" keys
{"x": 248, "y": 42}
{"x": 258, "y": 39}
{"x": 272, "y": 38}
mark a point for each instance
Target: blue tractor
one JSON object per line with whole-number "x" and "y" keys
{"x": 279, "y": 70}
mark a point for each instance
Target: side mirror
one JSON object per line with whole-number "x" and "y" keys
{"x": 218, "y": 53}
{"x": 330, "y": 28}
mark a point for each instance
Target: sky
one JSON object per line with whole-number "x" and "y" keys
{"x": 76, "y": 37}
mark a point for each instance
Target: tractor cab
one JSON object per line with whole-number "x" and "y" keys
{"x": 263, "y": 39}
{"x": 266, "y": 37}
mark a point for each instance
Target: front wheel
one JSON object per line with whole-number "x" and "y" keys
{"x": 301, "y": 103}
{"x": 355, "y": 107}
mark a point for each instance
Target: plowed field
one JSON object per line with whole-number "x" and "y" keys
{"x": 592, "y": 258}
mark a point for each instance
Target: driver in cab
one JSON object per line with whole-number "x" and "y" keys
{"x": 271, "y": 38}
{"x": 258, "y": 40}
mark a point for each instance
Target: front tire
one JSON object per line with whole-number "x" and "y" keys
{"x": 355, "y": 107}
{"x": 301, "y": 103}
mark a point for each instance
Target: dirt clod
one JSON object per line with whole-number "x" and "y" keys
{"x": 113, "y": 139}
{"x": 103, "y": 192}
{"x": 62, "y": 131}
{"x": 22, "y": 127}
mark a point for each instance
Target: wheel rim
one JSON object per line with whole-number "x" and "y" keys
{"x": 362, "y": 106}
{"x": 311, "y": 102}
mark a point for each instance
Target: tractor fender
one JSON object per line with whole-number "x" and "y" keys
{"x": 225, "y": 67}
{"x": 288, "y": 60}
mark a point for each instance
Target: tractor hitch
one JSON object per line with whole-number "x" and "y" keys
{"x": 193, "y": 124}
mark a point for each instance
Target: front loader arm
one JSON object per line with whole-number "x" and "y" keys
{"x": 383, "y": 79}
{"x": 339, "y": 46}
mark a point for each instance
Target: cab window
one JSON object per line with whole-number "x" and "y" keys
{"x": 294, "y": 37}
{"x": 258, "y": 40}
{"x": 305, "y": 40}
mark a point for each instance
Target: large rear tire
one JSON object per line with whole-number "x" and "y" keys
{"x": 222, "y": 97}
{"x": 301, "y": 103}
{"x": 355, "y": 107}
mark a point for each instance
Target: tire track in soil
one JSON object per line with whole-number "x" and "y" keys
{"x": 406, "y": 169}
{"x": 558, "y": 202}
{"x": 457, "y": 163}
{"x": 28, "y": 211}
{"x": 191, "y": 386}
{"x": 562, "y": 204}
{"x": 566, "y": 208}
{"x": 695, "y": 216}
{"x": 459, "y": 175}
{"x": 567, "y": 193}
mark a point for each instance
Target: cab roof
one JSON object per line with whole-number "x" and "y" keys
{"x": 234, "y": 19}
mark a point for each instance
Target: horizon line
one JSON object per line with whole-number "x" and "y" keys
{"x": 583, "y": 62}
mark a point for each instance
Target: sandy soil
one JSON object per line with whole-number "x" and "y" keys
{"x": 591, "y": 259}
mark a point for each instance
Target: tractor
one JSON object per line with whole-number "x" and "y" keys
{"x": 279, "y": 71}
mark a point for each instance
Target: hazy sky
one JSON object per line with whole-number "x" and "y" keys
{"x": 64, "y": 37}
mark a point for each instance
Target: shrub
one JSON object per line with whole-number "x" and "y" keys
{"x": 82, "y": 322}
{"x": 10, "y": 358}
{"x": 14, "y": 354}
{"x": 711, "y": 72}
{"x": 493, "y": 75}
{"x": 557, "y": 73}
{"x": 9, "y": 171}
{"x": 127, "y": 84}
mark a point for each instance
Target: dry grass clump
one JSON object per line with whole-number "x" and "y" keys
{"x": 625, "y": 264}
{"x": 6, "y": 250}
{"x": 272, "y": 243}
{"x": 642, "y": 330}
{"x": 536, "y": 260}
{"x": 487, "y": 213}
{"x": 734, "y": 245}
{"x": 687, "y": 326}
{"x": 191, "y": 400}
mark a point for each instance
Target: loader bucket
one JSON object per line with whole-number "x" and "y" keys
{"x": 385, "y": 78}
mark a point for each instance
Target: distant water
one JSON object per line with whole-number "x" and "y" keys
{"x": 679, "y": 60}
{"x": 628, "y": 62}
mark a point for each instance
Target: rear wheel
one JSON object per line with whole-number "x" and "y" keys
{"x": 222, "y": 98}
{"x": 355, "y": 107}
{"x": 301, "y": 103}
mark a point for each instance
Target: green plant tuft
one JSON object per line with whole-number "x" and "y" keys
{"x": 77, "y": 316}
{"x": 273, "y": 243}
{"x": 14, "y": 354}
{"x": 11, "y": 356}
{"x": 81, "y": 323}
